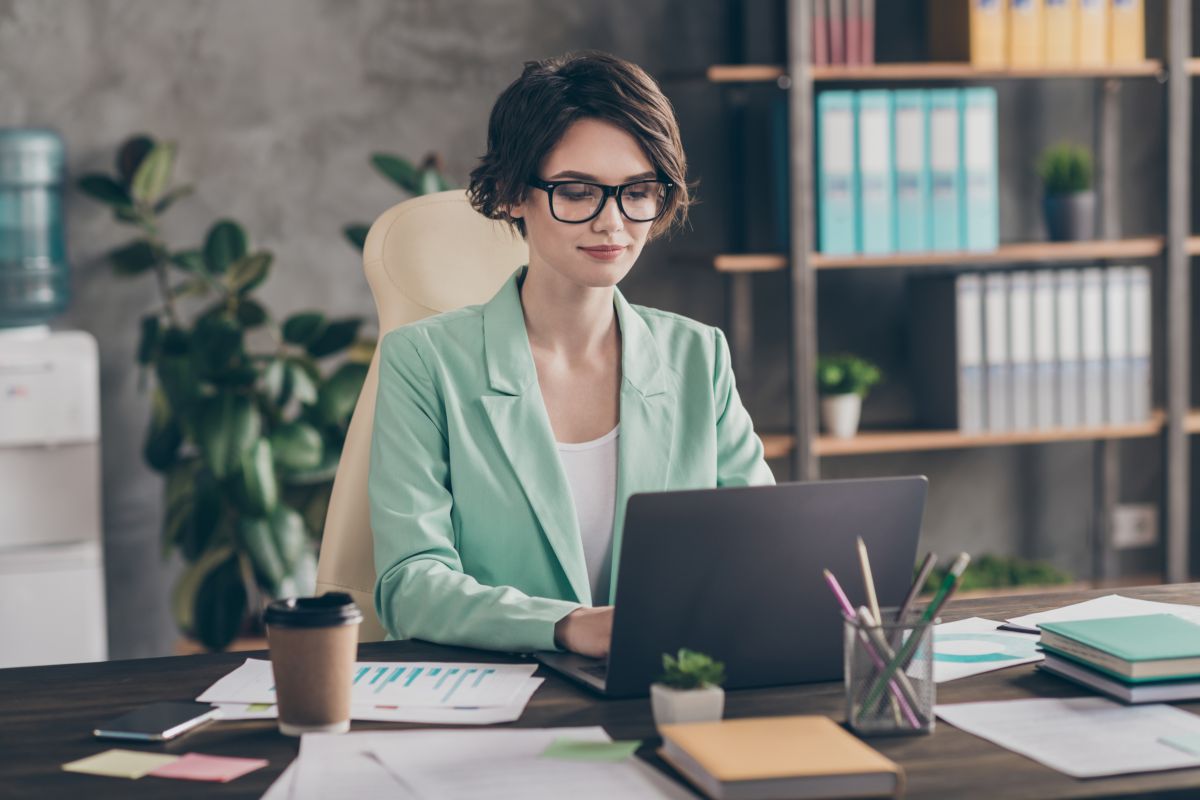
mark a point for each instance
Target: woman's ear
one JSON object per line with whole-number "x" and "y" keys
{"x": 516, "y": 210}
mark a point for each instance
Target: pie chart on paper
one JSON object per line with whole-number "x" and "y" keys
{"x": 973, "y": 646}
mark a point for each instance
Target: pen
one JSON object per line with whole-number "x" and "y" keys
{"x": 949, "y": 584}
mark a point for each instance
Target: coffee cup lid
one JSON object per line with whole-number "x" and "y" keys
{"x": 328, "y": 610}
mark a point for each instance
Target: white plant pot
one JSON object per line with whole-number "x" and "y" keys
{"x": 686, "y": 705}
{"x": 840, "y": 414}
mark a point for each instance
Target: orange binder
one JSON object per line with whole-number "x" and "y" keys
{"x": 1127, "y": 28}
{"x": 1091, "y": 33}
{"x": 1058, "y": 33}
{"x": 1025, "y": 34}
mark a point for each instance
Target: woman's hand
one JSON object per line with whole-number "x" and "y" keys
{"x": 587, "y": 631}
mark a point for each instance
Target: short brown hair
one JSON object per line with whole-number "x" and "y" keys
{"x": 535, "y": 111}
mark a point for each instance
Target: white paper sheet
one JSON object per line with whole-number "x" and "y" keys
{"x": 342, "y": 765}
{"x": 508, "y": 765}
{"x": 1084, "y": 737}
{"x": 974, "y": 646}
{"x": 281, "y": 789}
{"x": 1113, "y": 605}
{"x": 398, "y": 684}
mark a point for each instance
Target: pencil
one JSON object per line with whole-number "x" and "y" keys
{"x": 922, "y": 576}
{"x": 868, "y": 580}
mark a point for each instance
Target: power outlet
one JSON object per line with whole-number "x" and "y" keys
{"x": 1134, "y": 525}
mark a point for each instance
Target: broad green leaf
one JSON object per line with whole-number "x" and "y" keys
{"x": 104, "y": 189}
{"x": 259, "y": 491}
{"x": 131, "y": 155}
{"x": 193, "y": 508}
{"x": 183, "y": 595}
{"x": 303, "y": 327}
{"x": 216, "y": 342}
{"x": 225, "y": 244}
{"x": 338, "y": 395}
{"x": 337, "y": 336}
{"x": 431, "y": 181}
{"x": 258, "y": 540}
{"x": 249, "y": 271}
{"x": 356, "y": 234}
{"x": 321, "y": 473}
{"x": 220, "y": 606}
{"x": 399, "y": 171}
{"x": 195, "y": 287}
{"x": 297, "y": 446}
{"x": 191, "y": 260}
{"x": 227, "y": 426}
{"x": 153, "y": 174}
{"x": 278, "y": 544}
{"x": 163, "y": 436}
{"x": 275, "y": 381}
{"x": 300, "y": 379}
{"x": 134, "y": 258}
{"x": 168, "y": 200}
{"x": 251, "y": 313}
{"x": 148, "y": 345}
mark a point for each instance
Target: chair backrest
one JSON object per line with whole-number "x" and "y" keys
{"x": 424, "y": 256}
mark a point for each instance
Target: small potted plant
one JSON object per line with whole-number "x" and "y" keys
{"x": 689, "y": 689}
{"x": 1069, "y": 203}
{"x": 843, "y": 381}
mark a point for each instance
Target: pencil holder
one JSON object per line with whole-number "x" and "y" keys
{"x": 889, "y": 675}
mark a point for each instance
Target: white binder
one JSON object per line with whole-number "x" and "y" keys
{"x": 995, "y": 352}
{"x": 1139, "y": 341}
{"x": 1070, "y": 374}
{"x": 1045, "y": 356}
{"x": 1020, "y": 344}
{"x": 1091, "y": 323}
{"x": 1118, "y": 369}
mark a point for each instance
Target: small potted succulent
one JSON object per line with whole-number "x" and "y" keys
{"x": 1069, "y": 203}
{"x": 689, "y": 689}
{"x": 843, "y": 381}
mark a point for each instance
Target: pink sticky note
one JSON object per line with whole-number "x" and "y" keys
{"x": 199, "y": 767}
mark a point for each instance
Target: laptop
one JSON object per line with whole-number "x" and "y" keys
{"x": 736, "y": 573}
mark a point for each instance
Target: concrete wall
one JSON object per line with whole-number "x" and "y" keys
{"x": 277, "y": 104}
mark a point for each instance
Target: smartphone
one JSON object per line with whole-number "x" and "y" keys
{"x": 157, "y": 722}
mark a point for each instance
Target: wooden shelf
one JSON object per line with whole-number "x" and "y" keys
{"x": 778, "y": 445}
{"x": 1191, "y": 423}
{"x": 910, "y": 441}
{"x": 932, "y": 71}
{"x": 1040, "y": 252}
{"x": 751, "y": 262}
{"x": 744, "y": 73}
{"x": 1193, "y": 66}
{"x": 1192, "y": 246}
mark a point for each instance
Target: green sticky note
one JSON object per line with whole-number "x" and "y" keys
{"x": 120, "y": 763}
{"x": 256, "y": 707}
{"x": 579, "y": 750}
{"x": 1188, "y": 744}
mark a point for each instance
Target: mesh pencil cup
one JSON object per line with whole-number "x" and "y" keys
{"x": 889, "y": 675}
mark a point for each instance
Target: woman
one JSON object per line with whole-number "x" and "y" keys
{"x": 508, "y": 436}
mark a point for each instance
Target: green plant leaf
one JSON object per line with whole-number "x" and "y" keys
{"x": 249, "y": 271}
{"x": 163, "y": 436}
{"x": 168, "y": 199}
{"x": 190, "y": 260}
{"x": 398, "y": 170}
{"x": 275, "y": 378}
{"x": 134, "y": 258}
{"x": 337, "y": 336}
{"x": 321, "y": 473}
{"x": 131, "y": 154}
{"x": 148, "y": 344}
{"x": 297, "y": 446}
{"x": 250, "y": 313}
{"x": 259, "y": 491}
{"x": 193, "y": 508}
{"x": 227, "y": 426}
{"x": 183, "y": 594}
{"x": 174, "y": 369}
{"x": 301, "y": 381}
{"x": 278, "y": 545}
{"x": 337, "y": 396}
{"x": 216, "y": 342}
{"x": 153, "y": 174}
{"x": 356, "y": 234}
{"x": 104, "y": 189}
{"x": 431, "y": 181}
{"x": 220, "y": 606}
{"x": 226, "y": 243}
{"x": 303, "y": 327}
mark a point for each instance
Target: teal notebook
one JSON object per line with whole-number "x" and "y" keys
{"x": 1148, "y": 646}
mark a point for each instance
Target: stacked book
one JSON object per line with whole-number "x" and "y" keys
{"x": 1014, "y": 351}
{"x": 1153, "y": 658}
{"x": 843, "y": 32}
{"x": 914, "y": 170}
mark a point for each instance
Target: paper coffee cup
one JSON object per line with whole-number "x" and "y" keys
{"x": 313, "y": 643}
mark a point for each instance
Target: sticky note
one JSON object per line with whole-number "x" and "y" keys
{"x": 1188, "y": 744}
{"x": 199, "y": 767}
{"x": 118, "y": 763}
{"x": 577, "y": 750}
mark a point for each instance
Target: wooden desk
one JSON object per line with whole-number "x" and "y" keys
{"x": 47, "y": 714}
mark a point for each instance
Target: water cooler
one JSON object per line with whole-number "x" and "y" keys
{"x": 52, "y": 606}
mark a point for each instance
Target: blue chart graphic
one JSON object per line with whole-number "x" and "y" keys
{"x": 998, "y": 646}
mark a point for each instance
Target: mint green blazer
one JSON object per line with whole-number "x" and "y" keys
{"x": 476, "y": 538}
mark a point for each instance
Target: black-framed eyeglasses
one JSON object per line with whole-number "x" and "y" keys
{"x": 580, "y": 201}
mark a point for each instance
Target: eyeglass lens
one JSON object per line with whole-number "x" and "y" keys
{"x": 575, "y": 202}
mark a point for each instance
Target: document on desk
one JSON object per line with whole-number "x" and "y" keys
{"x": 418, "y": 684}
{"x": 1107, "y": 607}
{"x": 1084, "y": 737}
{"x": 974, "y": 646}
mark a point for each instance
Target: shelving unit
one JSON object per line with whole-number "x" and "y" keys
{"x": 1173, "y": 423}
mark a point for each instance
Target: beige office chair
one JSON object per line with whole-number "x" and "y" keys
{"x": 422, "y": 257}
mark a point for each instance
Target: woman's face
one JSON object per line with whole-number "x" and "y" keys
{"x": 596, "y": 151}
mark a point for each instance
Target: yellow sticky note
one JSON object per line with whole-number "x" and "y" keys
{"x": 120, "y": 763}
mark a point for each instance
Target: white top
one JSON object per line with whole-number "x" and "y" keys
{"x": 591, "y": 469}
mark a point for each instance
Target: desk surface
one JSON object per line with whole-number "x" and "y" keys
{"x": 47, "y": 714}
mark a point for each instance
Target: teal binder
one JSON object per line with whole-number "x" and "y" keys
{"x": 980, "y": 197}
{"x": 945, "y": 170}
{"x": 910, "y": 119}
{"x": 876, "y": 186}
{"x": 836, "y": 168}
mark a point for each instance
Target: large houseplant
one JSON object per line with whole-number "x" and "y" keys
{"x": 247, "y": 421}
{"x": 423, "y": 178}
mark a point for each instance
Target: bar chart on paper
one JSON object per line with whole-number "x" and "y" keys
{"x": 392, "y": 684}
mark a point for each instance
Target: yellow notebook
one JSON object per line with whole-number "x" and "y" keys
{"x": 1091, "y": 33}
{"x": 1025, "y": 34}
{"x": 797, "y": 757}
{"x": 1127, "y": 29}
{"x": 1058, "y": 33}
{"x": 988, "y": 24}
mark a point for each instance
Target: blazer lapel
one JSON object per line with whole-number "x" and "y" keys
{"x": 648, "y": 401}
{"x": 518, "y": 418}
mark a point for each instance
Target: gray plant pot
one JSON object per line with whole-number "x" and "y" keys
{"x": 1070, "y": 217}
